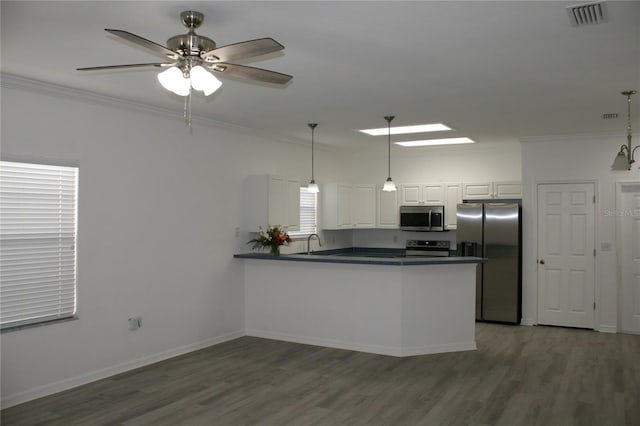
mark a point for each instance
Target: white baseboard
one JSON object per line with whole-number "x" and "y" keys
{"x": 607, "y": 328}
{"x": 363, "y": 347}
{"x": 528, "y": 321}
{"x": 83, "y": 379}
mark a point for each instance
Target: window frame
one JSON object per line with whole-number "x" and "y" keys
{"x": 305, "y": 232}
{"x": 44, "y": 232}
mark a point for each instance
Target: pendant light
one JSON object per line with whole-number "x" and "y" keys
{"x": 624, "y": 160}
{"x": 389, "y": 186}
{"x": 313, "y": 186}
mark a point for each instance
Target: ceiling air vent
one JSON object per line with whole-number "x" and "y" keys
{"x": 587, "y": 13}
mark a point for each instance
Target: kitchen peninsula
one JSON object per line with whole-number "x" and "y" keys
{"x": 399, "y": 306}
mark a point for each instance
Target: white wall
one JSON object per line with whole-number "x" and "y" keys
{"x": 572, "y": 159}
{"x": 158, "y": 207}
{"x": 478, "y": 162}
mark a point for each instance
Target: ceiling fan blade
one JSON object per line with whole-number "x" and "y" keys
{"x": 251, "y": 73}
{"x": 245, "y": 49}
{"x": 143, "y": 42}
{"x": 111, "y": 67}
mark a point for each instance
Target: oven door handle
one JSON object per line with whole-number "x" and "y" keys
{"x": 430, "y": 220}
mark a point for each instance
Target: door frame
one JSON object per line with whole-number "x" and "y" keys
{"x": 618, "y": 226}
{"x": 535, "y": 206}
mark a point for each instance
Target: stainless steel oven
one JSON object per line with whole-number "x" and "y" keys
{"x": 427, "y": 248}
{"x": 422, "y": 218}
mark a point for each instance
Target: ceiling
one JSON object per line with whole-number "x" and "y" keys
{"x": 494, "y": 71}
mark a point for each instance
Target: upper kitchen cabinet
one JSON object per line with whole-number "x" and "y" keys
{"x": 422, "y": 193}
{"x": 492, "y": 190}
{"x": 387, "y": 209}
{"x": 346, "y": 206}
{"x": 452, "y": 197}
{"x": 272, "y": 200}
{"x": 508, "y": 189}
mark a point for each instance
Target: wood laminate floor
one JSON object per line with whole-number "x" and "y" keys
{"x": 519, "y": 376}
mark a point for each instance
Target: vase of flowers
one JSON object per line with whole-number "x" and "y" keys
{"x": 273, "y": 237}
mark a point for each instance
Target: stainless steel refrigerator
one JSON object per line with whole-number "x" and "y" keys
{"x": 493, "y": 230}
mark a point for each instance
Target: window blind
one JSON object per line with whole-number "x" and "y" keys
{"x": 37, "y": 243}
{"x": 308, "y": 213}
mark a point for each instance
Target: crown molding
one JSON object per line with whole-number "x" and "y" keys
{"x": 578, "y": 137}
{"x": 12, "y": 81}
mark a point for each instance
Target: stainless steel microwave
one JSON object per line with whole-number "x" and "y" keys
{"x": 422, "y": 218}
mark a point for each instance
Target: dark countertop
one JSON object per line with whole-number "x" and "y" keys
{"x": 363, "y": 256}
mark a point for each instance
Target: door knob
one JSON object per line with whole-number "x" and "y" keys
{"x": 542, "y": 261}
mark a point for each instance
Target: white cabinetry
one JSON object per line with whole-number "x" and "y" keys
{"x": 363, "y": 206}
{"x": 272, "y": 200}
{"x": 508, "y": 189}
{"x": 387, "y": 209}
{"x": 347, "y": 206}
{"x": 492, "y": 190}
{"x": 452, "y": 196}
{"x": 421, "y": 193}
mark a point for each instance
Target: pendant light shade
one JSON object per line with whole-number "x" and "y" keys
{"x": 313, "y": 186}
{"x": 625, "y": 157}
{"x": 389, "y": 186}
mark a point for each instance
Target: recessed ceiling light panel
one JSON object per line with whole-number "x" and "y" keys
{"x": 403, "y": 130}
{"x": 431, "y": 142}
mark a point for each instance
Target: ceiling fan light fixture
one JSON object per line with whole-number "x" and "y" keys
{"x": 203, "y": 80}
{"x": 174, "y": 81}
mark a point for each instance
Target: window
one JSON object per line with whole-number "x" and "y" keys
{"x": 308, "y": 214}
{"x": 37, "y": 243}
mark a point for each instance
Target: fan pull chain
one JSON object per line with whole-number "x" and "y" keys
{"x": 187, "y": 109}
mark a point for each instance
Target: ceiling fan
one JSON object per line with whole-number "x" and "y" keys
{"x": 194, "y": 59}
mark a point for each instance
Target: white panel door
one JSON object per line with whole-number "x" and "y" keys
{"x": 629, "y": 222}
{"x": 566, "y": 244}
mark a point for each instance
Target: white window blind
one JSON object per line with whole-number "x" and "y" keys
{"x": 37, "y": 243}
{"x": 308, "y": 213}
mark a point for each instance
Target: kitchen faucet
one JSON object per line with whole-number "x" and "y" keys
{"x": 309, "y": 242}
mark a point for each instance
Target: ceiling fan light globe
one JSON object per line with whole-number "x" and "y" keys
{"x": 173, "y": 80}
{"x": 203, "y": 80}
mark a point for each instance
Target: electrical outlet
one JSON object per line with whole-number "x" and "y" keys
{"x": 395, "y": 238}
{"x": 237, "y": 231}
{"x": 135, "y": 323}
